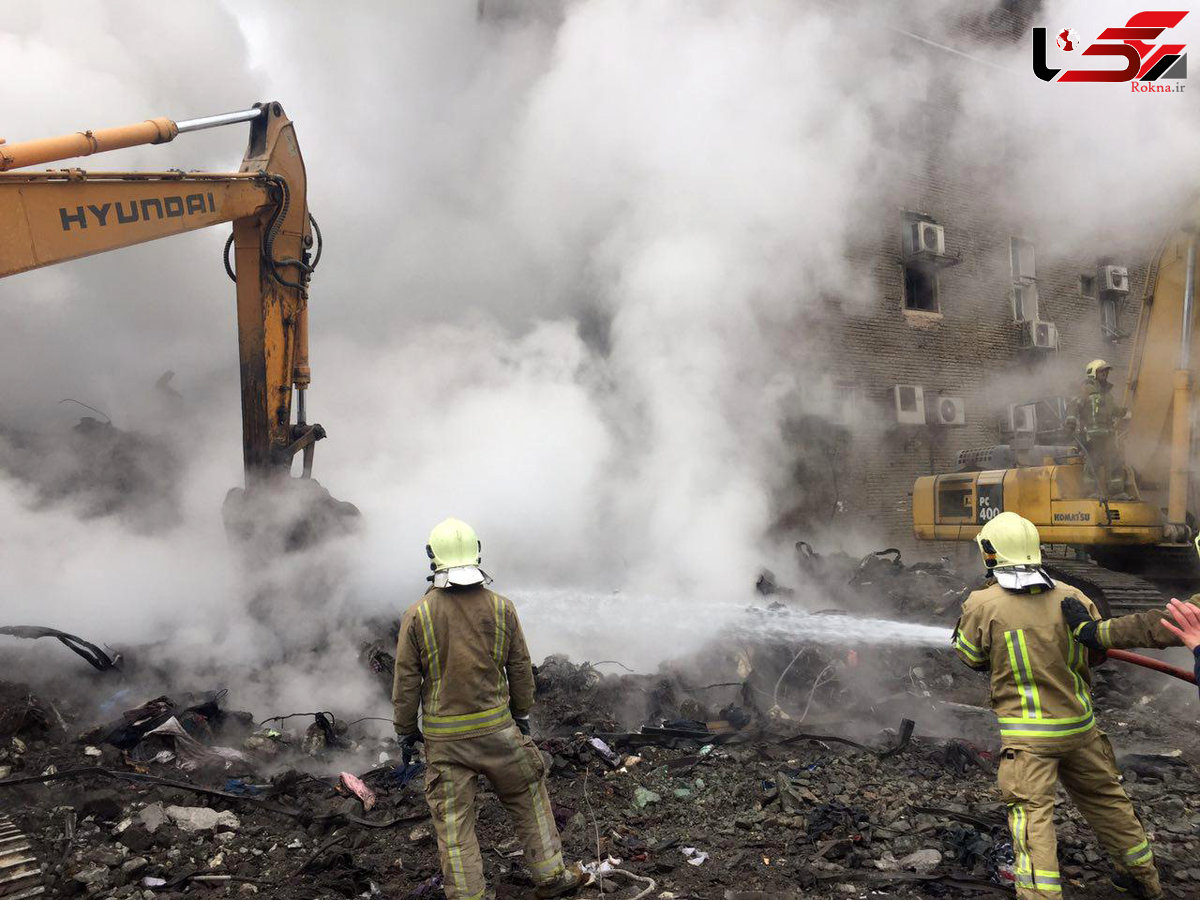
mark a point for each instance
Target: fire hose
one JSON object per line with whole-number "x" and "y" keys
{"x": 1147, "y": 662}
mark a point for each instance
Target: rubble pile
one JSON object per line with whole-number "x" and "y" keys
{"x": 798, "y": 754}
{"x": 712, "y": 792}
{"x": 923, "y": 591}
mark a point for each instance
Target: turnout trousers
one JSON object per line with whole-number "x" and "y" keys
{"x": 514, "y": 766}
{"x": 1088, "y": 771}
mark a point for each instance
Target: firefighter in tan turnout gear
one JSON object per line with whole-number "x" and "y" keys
{"x": 461, "y": 657}
{"x": 1094, "y": 418}
{"x": 1041, "y": 693}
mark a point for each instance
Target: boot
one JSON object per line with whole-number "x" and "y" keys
{"x": 568, "y": 882}
{"x": 1127, "y": 884}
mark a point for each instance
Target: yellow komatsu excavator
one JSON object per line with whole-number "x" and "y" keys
{"x": 1120, "y": 551}
{"x": 49, "y": 217}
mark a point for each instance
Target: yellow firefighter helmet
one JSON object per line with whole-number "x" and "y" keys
{"x": 1009, "y": 540}
{"x": 455, "y": 550}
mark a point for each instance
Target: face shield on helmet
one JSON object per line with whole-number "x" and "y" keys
{"x": 1012, "y": 552}
{"x": 455, "y": 550}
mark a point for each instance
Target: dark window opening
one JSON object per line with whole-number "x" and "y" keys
{"x": 1087, "y": 285}
{"x": 954, "y": 501}
{"x": 920, "y": 288}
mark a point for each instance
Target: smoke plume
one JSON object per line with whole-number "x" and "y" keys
{"x": 580, "y": 258}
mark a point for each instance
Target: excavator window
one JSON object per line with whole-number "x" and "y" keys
{"x": 954, "y": 499}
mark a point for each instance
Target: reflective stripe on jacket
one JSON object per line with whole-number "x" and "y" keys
{"x": 1041, "y": 682}
{"x": 461, "y": 659}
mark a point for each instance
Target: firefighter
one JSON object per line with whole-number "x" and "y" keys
{"x": 461, "y": 657}
{"x": 1093, "y": 418}
{"x": 1041, "y": 694}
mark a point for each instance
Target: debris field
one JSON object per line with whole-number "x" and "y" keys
{"x": 765, "y": 768}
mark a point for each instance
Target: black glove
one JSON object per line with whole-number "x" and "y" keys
{"x": 408, "y": 743}
{"x": 1081, "y": 624}
{"x": 522, "y": 724}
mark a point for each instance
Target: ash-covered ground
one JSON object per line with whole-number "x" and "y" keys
{"x": 797, "y": 755}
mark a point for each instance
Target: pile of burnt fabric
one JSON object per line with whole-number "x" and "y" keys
{"x": 187, "y": 729}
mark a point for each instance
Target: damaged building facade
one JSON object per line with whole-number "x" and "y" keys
{"x": 977, "y": 332}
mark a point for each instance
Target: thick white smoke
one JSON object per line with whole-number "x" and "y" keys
{"x": 578, "y": 264}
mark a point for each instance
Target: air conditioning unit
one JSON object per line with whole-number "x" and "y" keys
{"x": 1021, "y": 418}
{"x": 910, "y": 404}
{"x": 944, "y": 410}
{"x": 1038, "y": 335}
{"x": 1115, "y": 278}
{"x": 928, "y": 238}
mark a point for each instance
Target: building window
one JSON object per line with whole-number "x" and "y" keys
{"x": 1024, "y": 280}
{"x": 1087, "y": 286}
{"x": 1109, "y": 317}
{"x": 923, "y": 250}
{"x": 920, "y": 288}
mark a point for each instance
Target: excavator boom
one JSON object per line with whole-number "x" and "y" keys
{"x": 54, "y": 216}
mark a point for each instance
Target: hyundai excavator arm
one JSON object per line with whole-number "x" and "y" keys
{"x": 50, "y": 217}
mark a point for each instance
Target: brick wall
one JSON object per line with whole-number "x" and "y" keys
{"x": 971, "y": 348}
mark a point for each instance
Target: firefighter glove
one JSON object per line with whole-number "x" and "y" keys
{"x": 522, "y": 723}
{"x": 1081, "y": 624}
{"x": 408, "y": 743}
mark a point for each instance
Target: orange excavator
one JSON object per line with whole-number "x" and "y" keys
{"x": 49, "y": 217}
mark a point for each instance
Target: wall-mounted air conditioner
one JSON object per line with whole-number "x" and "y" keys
{"x": 1115, "y": 278}
{"x": 928, "y": 238}
{"x": 1020, "y": 418}
{"x": 1039, "y": 335}
{"x": 910, "y": 404}
{"x": 943, "y": 410}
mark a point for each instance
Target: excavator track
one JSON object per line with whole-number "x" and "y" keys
{"x": 1115, "y": 593}
{"x": 20, "y": 873}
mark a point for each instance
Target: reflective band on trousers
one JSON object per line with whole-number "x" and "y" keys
{"x": 1042, "y": 880}
{"x": 1021, "y": 864}
{"x": 1139, "y": 855}
{"x": 453, "y": 841}
{"x": 437, "y": 726}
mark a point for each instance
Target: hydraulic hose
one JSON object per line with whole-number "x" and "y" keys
{"x": 1147, "y": 662}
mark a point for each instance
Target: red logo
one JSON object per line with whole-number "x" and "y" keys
{"x": 1141, "y": 60}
